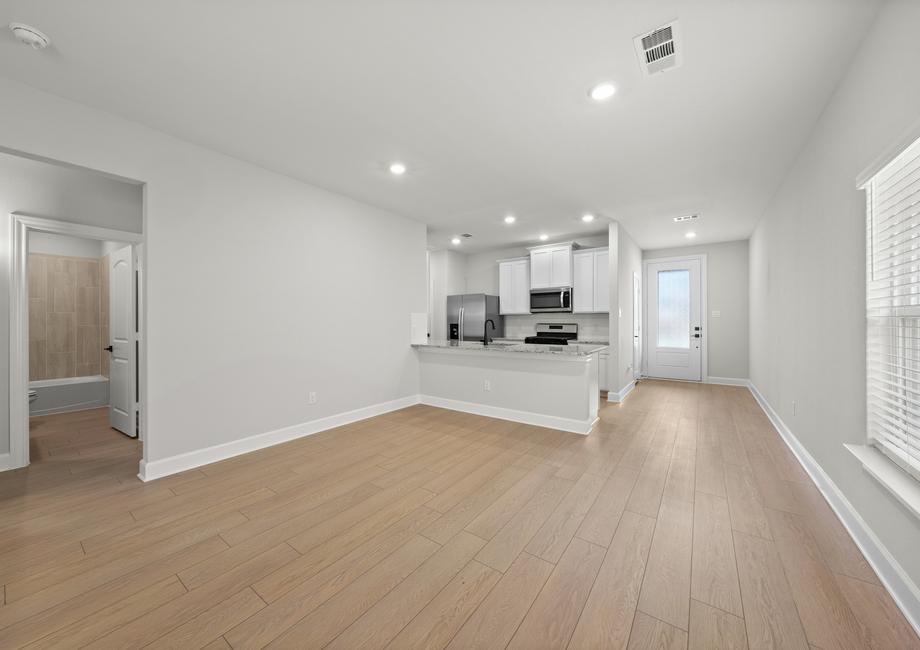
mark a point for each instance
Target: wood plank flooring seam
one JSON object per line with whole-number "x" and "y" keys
{"x": 518, "y": 626}
{"x": 738, "y": 572}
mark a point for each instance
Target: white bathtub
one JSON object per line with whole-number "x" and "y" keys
{"x": 69, "y": 394}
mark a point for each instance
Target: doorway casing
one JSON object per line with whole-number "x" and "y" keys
{"x": 20, "y": 226}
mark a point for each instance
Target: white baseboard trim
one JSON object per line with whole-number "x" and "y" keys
{"x": 190, "y": 460}
{"x": 6, "y": 462}
{"x": 620, "y": 395}
{"x": 728, "y": 381}
{"x": 72, "y": 408}
{"x": 524, "y": 417}
{"x": 902, "y": 589}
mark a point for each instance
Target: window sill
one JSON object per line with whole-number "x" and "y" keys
{"x": 904, "y": 488}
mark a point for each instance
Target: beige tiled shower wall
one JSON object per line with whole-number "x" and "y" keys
{"x": 68, "y": 317}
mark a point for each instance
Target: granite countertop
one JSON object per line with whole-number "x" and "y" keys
{"x": 577, "y": 350}
{"x": 587, "y": 341}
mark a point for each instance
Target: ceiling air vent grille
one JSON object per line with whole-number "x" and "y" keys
{"x": 658, "y": 50}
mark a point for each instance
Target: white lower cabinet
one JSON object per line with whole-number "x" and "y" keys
{"x": 602, "y": 364}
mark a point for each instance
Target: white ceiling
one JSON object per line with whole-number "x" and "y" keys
{"x": 484, "y": 100}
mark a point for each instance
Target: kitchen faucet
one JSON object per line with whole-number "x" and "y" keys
{"x": 486, "y": 339}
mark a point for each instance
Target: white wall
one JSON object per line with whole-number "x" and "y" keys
{"x": 807, "y": 283}
{"x": 727, "y": 274}
{"x": 108, "y": 247}
{"x": 613, "y": 358}
{"x": 52, "y": 191}
{"x": 259, "y": 288}
{"x": 49, "y": 244}
{"x": 629, "y": 262}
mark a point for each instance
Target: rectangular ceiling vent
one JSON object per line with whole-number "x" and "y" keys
{"x": 659, "y": 50}
{"x": 686, "y": 217}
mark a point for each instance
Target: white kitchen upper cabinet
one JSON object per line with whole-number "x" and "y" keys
{"x": 551, "y": 266}
{"x": 520, "y": 277}
{"x": 561, "y": 275}
{"x": 505, "y": 288}
{"x": 602, "y": 281}
{"x": 514, "y": 286}
{"x": 583, "y": 287}
{"x": 541, "y": 269}
{"x": 591, "y": 288}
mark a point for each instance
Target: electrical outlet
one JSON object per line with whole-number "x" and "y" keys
{"x": 312, "y": 397}
{"x": 486, "y": 384}
{"x": 793, "y": 407}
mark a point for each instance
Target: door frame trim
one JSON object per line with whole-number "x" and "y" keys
{"x": 638, "y": 364}
{"x": 20, "y": 226}
{"x": 704, "y": 308}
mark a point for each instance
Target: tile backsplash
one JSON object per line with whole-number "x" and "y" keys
{"x": 594, "y": 327}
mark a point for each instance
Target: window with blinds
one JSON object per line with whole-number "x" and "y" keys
{"x": 893, "y": 309}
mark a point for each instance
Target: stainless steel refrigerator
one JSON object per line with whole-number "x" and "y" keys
{"x": 467, "y": 316}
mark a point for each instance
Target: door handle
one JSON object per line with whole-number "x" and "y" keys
{"x": 108, "y": 349}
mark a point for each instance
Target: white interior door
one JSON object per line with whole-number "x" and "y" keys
{"x": 674, "y": 329}
{"x": 122, "y": 334}
{"x": 637, "y": 325}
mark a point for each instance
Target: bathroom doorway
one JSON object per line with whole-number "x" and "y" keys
{"x": 76, "y": 328}
{"x": 81, "y": 313}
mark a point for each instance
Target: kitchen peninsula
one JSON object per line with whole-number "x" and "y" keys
{"x": 553, "y": 386}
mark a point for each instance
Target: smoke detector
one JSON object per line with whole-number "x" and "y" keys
{"x": 30, "y": 36}
{"x": 659, "y": 50}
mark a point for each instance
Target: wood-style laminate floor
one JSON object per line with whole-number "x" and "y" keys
{"x": 682, "y": 521}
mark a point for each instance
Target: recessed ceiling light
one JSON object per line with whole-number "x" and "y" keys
{"x": 397, "y": 168}
{"x": 587, "y": 218}
{"x": 30, "y": 36}
{"x": 509, "y": 218}
{"x": 544, "y": 237}
{"x": 602, "y": 91}
{"x": 455, "y": 241}
{"x": 690, "y": 235}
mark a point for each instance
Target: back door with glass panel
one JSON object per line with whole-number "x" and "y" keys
{"x": 674, "y": 331}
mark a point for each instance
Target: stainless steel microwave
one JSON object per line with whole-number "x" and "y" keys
{"x": 544, "y": 300}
